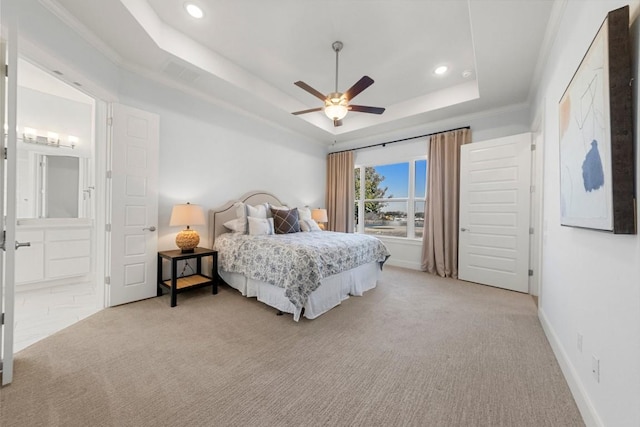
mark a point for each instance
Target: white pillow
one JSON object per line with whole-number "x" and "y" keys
{"x": 260, "y": 226}
{"x": 304, "y": 213}
{"x": 236, "y": 225}
{"x": 309, "y": 225}
{"x": 257, "y": 211}
{"x": 243, "y": 211}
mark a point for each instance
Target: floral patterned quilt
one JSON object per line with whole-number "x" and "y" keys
{"x": 297, "y": 261}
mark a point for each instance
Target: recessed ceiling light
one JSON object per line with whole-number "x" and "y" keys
{"x": 441, "y": 70}
{"x": 194, "y": 10}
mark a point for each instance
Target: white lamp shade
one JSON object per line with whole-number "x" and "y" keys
{"x": 187, "y": 214}
{"x": 336, "y": 106}
{"x": 319, "y": 215}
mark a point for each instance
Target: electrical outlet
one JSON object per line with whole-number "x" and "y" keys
{"x": 595, "y": 368}
{"x": 579, "y": 342}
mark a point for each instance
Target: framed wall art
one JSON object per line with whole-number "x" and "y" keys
{"x": 597, "y": 188}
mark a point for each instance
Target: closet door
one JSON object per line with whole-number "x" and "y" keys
{"x": 134, "y": 204}
{"x": 494, "y": 212}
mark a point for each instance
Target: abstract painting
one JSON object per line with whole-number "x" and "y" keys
{"x": 596, "y": 136}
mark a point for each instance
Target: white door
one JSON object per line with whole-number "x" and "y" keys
{"x": 494, "y": 212}
{"x": 8, "y": 94}
{"x": 134, "y": 205}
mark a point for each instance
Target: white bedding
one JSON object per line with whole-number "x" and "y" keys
{"x": 314, "y": 271}
{"x": 332, "y": 291}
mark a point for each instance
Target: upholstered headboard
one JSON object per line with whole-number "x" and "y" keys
{"x": 218, "y": 216}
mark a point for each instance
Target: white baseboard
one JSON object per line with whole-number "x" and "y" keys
{"x": 35, "y": 286}
{"x": 586, "y": 408}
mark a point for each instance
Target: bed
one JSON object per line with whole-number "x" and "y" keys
{"x": 304, "y": 274}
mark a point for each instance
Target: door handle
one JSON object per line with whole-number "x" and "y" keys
{"x": 152, "y": 228}
{"x": 20, "y": 245}
{"x": 464, "y": 229}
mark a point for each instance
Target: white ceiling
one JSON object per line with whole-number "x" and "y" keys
{"x": 249, "y": 53}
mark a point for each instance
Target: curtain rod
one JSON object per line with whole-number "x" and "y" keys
{"x": 400, "y": 140}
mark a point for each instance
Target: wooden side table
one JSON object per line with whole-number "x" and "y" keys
{"x": 176, "y": 284}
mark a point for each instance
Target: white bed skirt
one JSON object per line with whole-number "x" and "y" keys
{"x": 331, "y": 292}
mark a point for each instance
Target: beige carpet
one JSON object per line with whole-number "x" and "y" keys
{"x": 415, "y": 351}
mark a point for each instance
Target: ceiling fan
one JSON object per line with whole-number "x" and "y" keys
{"x": 336, "y": 104}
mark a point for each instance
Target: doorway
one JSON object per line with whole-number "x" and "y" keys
{"x": 57, "y": 196}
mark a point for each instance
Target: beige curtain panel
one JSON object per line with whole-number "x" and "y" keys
{"x": 340, "y": 191}
{"x": 440, "y": 236}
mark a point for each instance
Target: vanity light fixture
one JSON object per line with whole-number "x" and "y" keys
{"x": 52, "y": 139}
{"x": 30, "y": 133}
{"x": 194, "y": 10}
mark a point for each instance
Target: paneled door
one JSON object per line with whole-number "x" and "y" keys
{"x": 8, "y": 99}
{"x": 493, "y": 242}
{"x": 134, "y": 205}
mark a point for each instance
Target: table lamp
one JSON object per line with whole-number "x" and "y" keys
{"x": 188, "y": 215}
{"x": 320, "y": 216}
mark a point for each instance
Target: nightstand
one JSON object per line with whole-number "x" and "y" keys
{"x": 176, "y": 284}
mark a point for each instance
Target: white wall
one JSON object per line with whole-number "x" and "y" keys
{"x": 590, "y": 279}
{"x": 45, "y": 112}
{"x": 209, "y": 153}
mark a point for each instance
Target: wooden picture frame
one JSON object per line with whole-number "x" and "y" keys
{"x": 597, "y": 179}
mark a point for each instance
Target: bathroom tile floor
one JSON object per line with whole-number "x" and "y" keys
{"x": 43, "y": 312}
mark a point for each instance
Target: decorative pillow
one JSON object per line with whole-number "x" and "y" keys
{"x": 304, "y": 213}
{"x": 260, "y": 226}
{"x": 236, "y": 225}
{"x": 309, "y": 225}
{"x": 280, "y": 208}
{"x": 285, "y": 221}
{"x": 243, "y": 211}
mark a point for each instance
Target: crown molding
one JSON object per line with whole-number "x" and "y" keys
{"x": 440, "y": 125}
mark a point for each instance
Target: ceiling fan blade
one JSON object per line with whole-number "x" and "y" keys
{"x": 295, "y": 113}
{"x": 337, "y": 123}
{"x": 360, "y": 85}
{"x": 311, "y": 90}
{"x": 365, "y": 109}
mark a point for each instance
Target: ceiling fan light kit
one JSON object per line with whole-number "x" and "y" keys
{"x": 336, "y": 104}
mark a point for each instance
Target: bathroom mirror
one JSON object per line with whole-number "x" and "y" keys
{"x": 53, "y": 186}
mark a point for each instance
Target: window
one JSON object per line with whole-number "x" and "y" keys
{"x": 391, "y": 202}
